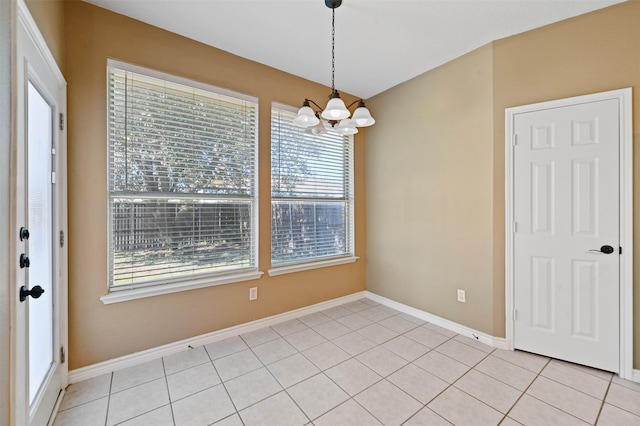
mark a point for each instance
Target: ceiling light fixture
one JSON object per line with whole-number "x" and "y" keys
{"x": 336, "y": 114}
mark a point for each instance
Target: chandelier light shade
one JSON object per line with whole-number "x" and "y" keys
{"x": 336, "y": 113}
{"x": 346, "y": 127}
{"x": 336, "y": 109}
{"x": 306, "y": 116}
{"x": 362, "y": 116}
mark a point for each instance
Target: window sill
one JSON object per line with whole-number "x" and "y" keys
{"x": 281, "y": 270}
{"x": 139, "y": 293}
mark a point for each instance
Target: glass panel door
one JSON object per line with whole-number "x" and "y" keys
{"x": 40, "y": 243}
{"x": 39, "y": 217}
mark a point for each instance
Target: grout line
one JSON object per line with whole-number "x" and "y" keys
{"x": 106, "y": 417}
{"x": 544, "y": 402}
{"x": 222, "y": 382}
{"x": 573, "y": 388}
{"x": 557, "y": 408}
{"x": 280, "y": 384}
{"x": 527, "y": 388}
{"x": 504, "y": 415}
{"x": 382, "y": 378}
{"x": 166, "y": 382}
{"x": 604, "y": 398}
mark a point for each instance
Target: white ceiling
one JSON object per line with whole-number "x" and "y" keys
{"x": 379, "y": 44}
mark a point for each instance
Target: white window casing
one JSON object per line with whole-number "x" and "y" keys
{"x": 312, "y": 211}
{"x": 182, "y": 183}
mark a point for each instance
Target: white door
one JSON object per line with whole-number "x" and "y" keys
{"x": 39, "y": 219}
{"x": 567, "y": 233}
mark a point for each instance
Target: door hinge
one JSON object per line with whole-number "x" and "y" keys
{"x": 63, "y": 356}
{"x": 514, "y": 227}
{"x": 61, "y": 238}
{"x": 61, "y": 121}
{"x": 515, "y": 315}
{"x": 53, "y": 177}
{"x": 514, "y": 139}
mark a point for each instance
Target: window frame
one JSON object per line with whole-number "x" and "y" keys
{"x": 324, "y": 261}
{"x": 155, "y": 287}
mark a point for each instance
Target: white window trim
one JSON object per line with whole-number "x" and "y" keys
{"x": 126, "y": 66}
{"x": 298, "y": 267}
{"x": 316, "y": 264}
{"x": 116, "y": 296}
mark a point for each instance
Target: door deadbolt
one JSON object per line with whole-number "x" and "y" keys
{"x": 24, "y": 261}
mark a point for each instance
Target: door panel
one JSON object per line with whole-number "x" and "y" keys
{"x": 584, "y": 192}
{"x": 566, "y": 292}
{"x": 542, "y": 284}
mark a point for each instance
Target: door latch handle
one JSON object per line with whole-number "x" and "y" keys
{"x": 35, "y": 292}
{"x": 604, "y": 249}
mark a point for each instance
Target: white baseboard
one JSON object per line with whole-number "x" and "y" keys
{"x": 137, "y": 358}
{"x": 496, "y": 342}
{"x": 111, "y": 365}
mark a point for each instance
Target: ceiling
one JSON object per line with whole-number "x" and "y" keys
{"x": 379, "y": 44}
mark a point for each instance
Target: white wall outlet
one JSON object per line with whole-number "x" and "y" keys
{"x": 253, "y": 293}
{"x": 461, "y": 296}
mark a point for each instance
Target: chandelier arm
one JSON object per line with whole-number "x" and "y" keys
{"x": 359, "y": 101}
{"x": 313, "y": 102}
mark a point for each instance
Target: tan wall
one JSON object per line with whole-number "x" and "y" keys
{"x": 591, "y": 53}
{"x": 429, "y": 192}
{"x": 49, "y": 16}
{"x": 100, "y": 332}
{"x": 434, "y": 221}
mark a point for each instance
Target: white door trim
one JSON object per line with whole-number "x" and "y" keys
{"x": 624, "y": 97}
{"x": 7, "y": 38}
{"x": 19, "y": 407}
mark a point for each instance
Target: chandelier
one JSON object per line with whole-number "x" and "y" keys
{"x": 336, "y": 114}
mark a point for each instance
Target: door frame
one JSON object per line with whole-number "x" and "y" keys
{"x": 20, "y": 404}
{"x": 6, "y": 114}
{"x": 624, "y": 97}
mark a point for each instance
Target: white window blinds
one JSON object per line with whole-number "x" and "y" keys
{"x": 182, "y": 179}
{"x": 311, "y": 192}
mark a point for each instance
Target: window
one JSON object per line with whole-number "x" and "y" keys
{"x": 182, "y": 179}
{"x": 311, "y": 192}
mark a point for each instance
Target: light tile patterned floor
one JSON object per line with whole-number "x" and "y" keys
{"x": 357, "y": 364}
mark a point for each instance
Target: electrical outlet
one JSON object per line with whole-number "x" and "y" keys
{"x": 253, "y": 293}
{"x": 461, "y": 296}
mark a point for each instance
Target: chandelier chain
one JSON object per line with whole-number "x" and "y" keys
{"x": 333, "y": 49}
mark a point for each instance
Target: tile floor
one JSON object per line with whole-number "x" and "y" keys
{"x": 357, "y": 364}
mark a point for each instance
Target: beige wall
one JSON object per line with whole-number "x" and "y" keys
{"x": 457, "y": 217}
{"x": 429, "y": 191}
{"x": 100, "y": 332}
